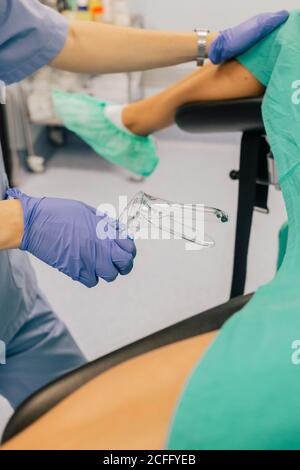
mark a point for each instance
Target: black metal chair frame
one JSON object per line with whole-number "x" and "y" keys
{"x": 241, "y": 115}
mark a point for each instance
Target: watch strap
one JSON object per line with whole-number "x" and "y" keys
{"x": 202, "y": 43}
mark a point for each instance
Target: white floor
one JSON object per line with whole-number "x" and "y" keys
{"x": 168, "y": 283}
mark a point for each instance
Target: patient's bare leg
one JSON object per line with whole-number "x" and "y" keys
{"x": 228, "y": 81}
{"x": 128, "y": 407}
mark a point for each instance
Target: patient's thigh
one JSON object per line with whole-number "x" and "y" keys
{"x": 128, "y": 407}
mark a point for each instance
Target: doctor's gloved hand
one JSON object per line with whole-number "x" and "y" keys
{"x": 74, "y": 238}
{"x": 234, "y": 41}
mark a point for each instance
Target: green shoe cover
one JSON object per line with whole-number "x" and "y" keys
{"x": 84, "y": 115}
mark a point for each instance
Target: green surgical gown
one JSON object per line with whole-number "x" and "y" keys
{"x": 245, "y": 392}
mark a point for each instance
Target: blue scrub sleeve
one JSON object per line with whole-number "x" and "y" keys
{"x": 31, "y": 36}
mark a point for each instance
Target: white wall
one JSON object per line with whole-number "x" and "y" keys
{"x": 213, "y": 14}
{"x": 185, "y": 15}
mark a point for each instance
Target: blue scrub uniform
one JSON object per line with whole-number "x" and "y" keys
{"x": 39, "y": 348}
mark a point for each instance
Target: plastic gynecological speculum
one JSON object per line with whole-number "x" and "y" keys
{"x": 150, "y": 217}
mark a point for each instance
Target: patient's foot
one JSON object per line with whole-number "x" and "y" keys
{"x": 115, "y": 114}
{"x": 150, "y": 115}
{"x": 134, "y": 119}
{"x": 147, "y": 116}
{"x": 130, "y": 118}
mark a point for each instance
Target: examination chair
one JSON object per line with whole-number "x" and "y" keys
{"x": 45, "y": 399}
{"x": 257, "y": 169}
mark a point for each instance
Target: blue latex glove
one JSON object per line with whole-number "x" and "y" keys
{"x": 234, "y": 41}
{"x": 70, "y": 236}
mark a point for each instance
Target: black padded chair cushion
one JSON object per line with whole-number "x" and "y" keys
{"x": 48, "y": 397}
{"x": 221, "y": 116}
{"x": 4, "y": 139}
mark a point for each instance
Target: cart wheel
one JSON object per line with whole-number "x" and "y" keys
{"x": 36, "y": 164}
{"x": 56, "y": 136}
{"x": 136, "y": 178}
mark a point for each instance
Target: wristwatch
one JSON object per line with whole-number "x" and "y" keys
{"x": 202, "y": 42}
